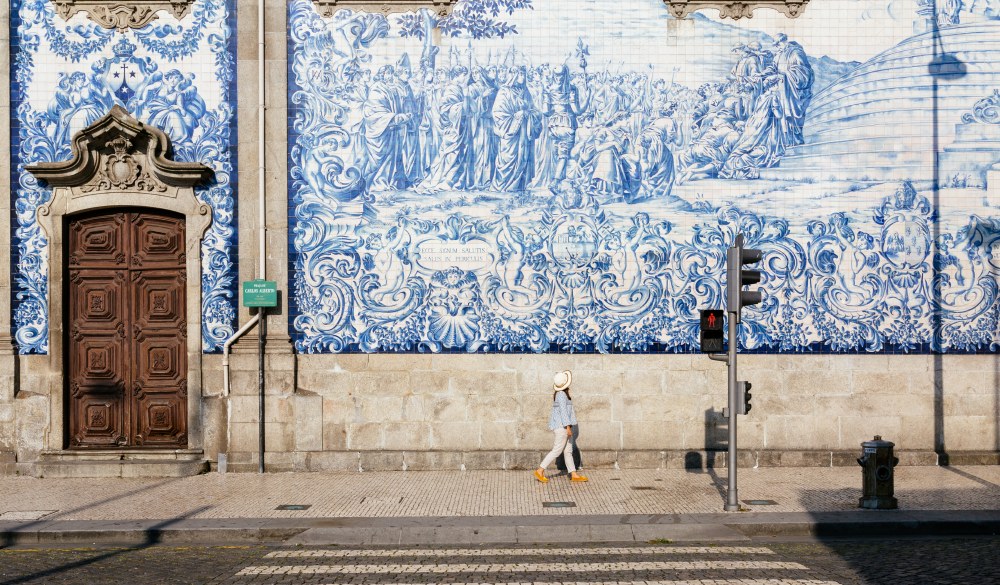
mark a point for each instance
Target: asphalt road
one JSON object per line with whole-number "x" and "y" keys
{"x": 922, "y": 561}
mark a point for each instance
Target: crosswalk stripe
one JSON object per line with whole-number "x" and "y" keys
{"x": 480, "y": 552}
{"x": 688, "y": 582}
{"x": 517, "y": 567}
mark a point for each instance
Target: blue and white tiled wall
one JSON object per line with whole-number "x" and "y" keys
{"x": 178, "y": 75}
{"x": 565, "y": 175}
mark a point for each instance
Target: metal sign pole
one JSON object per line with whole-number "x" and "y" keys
{"x": 261, "y": 333}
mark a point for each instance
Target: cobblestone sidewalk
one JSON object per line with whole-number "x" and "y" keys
{"x": 480, "y": 494}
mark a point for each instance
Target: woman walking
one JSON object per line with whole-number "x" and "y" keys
{"x": 561, "y": 423}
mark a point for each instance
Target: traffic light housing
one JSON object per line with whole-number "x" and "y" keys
{"x": 743, "y": 406}
{"x": 713, "y": 323}
{"x": 737, "y": 278}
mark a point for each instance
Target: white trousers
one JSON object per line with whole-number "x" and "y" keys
{"x": 563, "y": 445}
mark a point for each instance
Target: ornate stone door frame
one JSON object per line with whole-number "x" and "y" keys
{"x": 121, "y": 162}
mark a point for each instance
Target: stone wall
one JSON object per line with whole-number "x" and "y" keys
{"x": 491, "y": 411}
{"x": 351, "y": 412}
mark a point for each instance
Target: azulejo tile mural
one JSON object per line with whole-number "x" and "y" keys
{"x": 177, "y": 75}
{"x": 541, "y": 175}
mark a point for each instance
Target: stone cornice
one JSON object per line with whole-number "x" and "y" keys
{"x": 119, "y": 152}
{"x": 440, "y": 7}
{"x": 122, "y": 15}
{"x": 735, "y": 10}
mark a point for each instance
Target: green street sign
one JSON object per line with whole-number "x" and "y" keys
{"x": 260, "y": 293}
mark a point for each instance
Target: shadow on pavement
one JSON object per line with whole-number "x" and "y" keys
{"x": 716, "y": 441}
{"x": 915, "y": 543}
{"x": 971, "y": 477}
{"x": 7, "y": 538}
{"x": 153, "y": 536}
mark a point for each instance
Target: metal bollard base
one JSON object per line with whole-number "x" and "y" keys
{"x": 878, "y": 503}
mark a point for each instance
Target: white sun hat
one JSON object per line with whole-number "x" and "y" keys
{"x": 562, "y": 380}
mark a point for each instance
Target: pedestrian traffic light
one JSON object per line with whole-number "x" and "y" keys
{"x": 712, "y": 324}
{"x": 737, "y": 278}
{"x": 743, "y": 406}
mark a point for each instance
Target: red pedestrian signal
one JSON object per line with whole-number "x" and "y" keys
{"x": 711, "y": 335}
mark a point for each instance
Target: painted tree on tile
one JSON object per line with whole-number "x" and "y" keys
{"x": 479, "y": 19}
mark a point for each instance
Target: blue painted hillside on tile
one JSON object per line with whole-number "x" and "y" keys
{"x": 568, "y": 176}
{"x": 177, "y": 75}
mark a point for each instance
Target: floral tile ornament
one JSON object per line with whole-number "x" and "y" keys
{"x": 176, "y": 74}
{"x": 509, "y": 178}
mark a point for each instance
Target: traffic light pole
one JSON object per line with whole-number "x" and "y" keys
{"x": 732, "y": 495}
{"x": 739, "y": 392}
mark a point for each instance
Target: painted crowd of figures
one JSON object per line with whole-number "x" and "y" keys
{"x": 623, "y": 137}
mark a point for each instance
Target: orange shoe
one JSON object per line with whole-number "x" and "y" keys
{"x": 541, "y": 477}
{"x": 578, "y": 477}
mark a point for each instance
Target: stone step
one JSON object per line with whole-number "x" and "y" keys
{"x": 871, "y": 172}
{"x": 911, "y": 112}
{"x": 911, "y": 78}
{"x": 97, "y": 468}
{"x": 916, "y": 148}
{"x": 900, "y": 77}
{"x": 120, "y": 463}
{"x": 878, "y": 122}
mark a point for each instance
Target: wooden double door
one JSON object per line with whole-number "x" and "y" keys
{"x": 126, "y": 346}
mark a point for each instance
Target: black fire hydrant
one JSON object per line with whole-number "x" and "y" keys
{"x": 877, "y": 463}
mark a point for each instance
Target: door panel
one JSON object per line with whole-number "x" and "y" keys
{"x": 97, "y": 345}
{"x": 98, "y": 241}
{"x": 157, "y": 243}
{"x": 126, "y": 342}
{"x": 159, "y": 300}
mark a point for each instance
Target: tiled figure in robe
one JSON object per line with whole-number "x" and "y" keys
{"x": 173, "y": 104}
{"x": 452, "y": 169}
{"x": 434, "y": 82}
{"x": 612, "y": 175}
{"x": 796, "y": 76}
{"x": 749, "y": 69}
{"x": 949, "y": 12}
{"x": 707, "y": 154}
{"x": 657, "y": 157}
{"x": 482, "y": 94}
{"x": 518, "y": 124}
{"x": 385, "y": 124}
{"x": 411, "y": 128}
{"x": 764, "y": 137}
{"x": 564, "y": 108}
{"x": 540, "y": 84}
{"x": 77, "y": 104}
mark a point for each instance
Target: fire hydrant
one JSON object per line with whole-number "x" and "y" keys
{"x": 877, "y": 463}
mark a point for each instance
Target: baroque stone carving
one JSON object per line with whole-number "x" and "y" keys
{"x": 122, "y": 15}
{"x": 122, "y": 172}
{"x": 120, "y": 153}
{"x": 441, "y": 7}
{"x": 735, "y": 10}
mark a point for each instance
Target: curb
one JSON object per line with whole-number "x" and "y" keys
{"x": 503, "y": 530}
